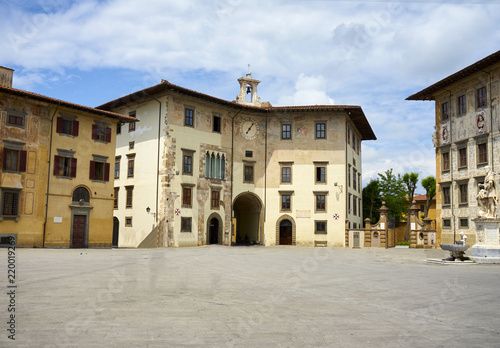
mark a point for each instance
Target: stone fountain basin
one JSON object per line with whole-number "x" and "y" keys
{"x": 454, "y": 247}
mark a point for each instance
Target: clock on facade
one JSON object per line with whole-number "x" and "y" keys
{"x": 249, "y": 128}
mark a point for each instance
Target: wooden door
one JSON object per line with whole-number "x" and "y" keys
{"x": 79, "y": 224}
{"x": 286, "y": 233}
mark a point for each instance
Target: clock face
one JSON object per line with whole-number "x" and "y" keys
{"x": 249, "y": 128}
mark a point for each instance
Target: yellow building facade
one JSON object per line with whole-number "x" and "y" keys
{"x": 466, "y": 139}
{"x": 56, "y": 158}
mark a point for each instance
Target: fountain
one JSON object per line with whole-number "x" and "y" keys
{"x": 457, "y": 251}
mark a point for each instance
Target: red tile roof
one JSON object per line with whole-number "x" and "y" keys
{"x": 39, "y": 97}
{"x": 419, "y": 198}
{"x": 357, "y": 115}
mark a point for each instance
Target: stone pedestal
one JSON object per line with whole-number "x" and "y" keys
{"x": 487, "y": 247}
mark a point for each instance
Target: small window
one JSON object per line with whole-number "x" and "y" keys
{"x": 286, "y": 175}
{"x": 320, "y": 130}
{"x": 14, "y": 159}
{"x": 130, "y": 195}
{"x": 482, "y": 153}
{"x": 65, "y": 166}
{"x": 131, "y": 145}
{"x": 188, "y": 117}
{"x": 320, "y": 174}
{"x": 249, "y": 154}
{"x": 130, "y": 168}
{"x": 348, "y": 135}
{"x": 68, "y": 125}
{"x": 16, "y": 118}
{"x": 481, "y": 97}
{"x": 320, "y": 202}
{"x": 248, "y": 174}
{"x": 462, "y": 157}
{"x": 216, "y": 124}
{"x": 354, "y": 178}
{"x": 101, "y": 133}
{"x": 99, "y": 171}
{"x": 186, "y": 224}
{"x": 463, "y": 193}
{"x": 286, "y": 202}
{"x": 422, "y": 208}
{"x": 117, "y": 168}
{"x": 354, "y": 205}
{"x": 215, "y": 201}
{"x": 187, "y": 164}
{"x": 81, "y": 194}
{"x": 445, "y": 111}
{"x": 186, "y": 197}
{"x": 462, "y": 106}
{"x": 446, "y": 223}
{"x": 359, "y": 182}
{"x": 10, "y": 203}
{"x": 446, "y": 195}
{"x": 128, "y": 221}
{"x": 320, "y": 227}
{"x": 131, "y": 125}
{"x": 446, "y": 161}
{"x": 115, "y": 198}
{"x": 464, "y": 223}
{"x": 118, "y": 128}
{"x": 349, "y": 175}
{"x": 286, "y": 131}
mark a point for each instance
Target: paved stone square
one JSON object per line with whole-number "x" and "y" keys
{"x": 218, "y": 296}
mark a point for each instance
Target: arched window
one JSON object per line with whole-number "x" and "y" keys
{"x": 286, "y": 223}
{"x": 222, "y": 167}
{"x": 212, "y": 166}
{"x": 207, "y": 165}
{"x": 81, "y": 193}
{"x": 217, "y": 167}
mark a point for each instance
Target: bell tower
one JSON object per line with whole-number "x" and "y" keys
{"x": 248, "y": 85}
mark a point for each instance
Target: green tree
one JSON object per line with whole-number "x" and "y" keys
{"x": 393, "y": 192}
{"x": 372, "y": 201}
{"x": 429, "y": 184}
{"x": 411, "y": 181}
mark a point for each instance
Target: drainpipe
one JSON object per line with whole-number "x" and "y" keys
{"x": 48, "y": 175}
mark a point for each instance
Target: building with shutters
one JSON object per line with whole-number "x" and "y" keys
{"x": 56, "y": 189}
{"x": 196, "y": 169}
{"x": 467, "y": 142}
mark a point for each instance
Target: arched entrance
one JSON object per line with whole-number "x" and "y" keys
{"x": 80, "y": 216}
{"x": 247, "y": 222}
{"x": 213, "y": 231}
{"x": 285, "y": 232}
{"x": 116, "y": 228}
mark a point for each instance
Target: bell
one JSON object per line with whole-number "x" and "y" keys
{"x": 249, "y": 89}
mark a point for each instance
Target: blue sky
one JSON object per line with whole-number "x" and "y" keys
{"x": 368, "y": 53}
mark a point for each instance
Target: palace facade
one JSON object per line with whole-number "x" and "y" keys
{"x": 196, "y": 170}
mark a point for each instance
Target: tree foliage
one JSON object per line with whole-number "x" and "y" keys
{"x": 411, "y": 182}
{"x": 394, "y": 191}
{"x": 429, "y": 184}
{"x": 372, "y": 201}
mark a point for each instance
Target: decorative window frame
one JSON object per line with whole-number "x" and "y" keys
{"x": 193, "y": 109}
{"x": 316, "y": 231}
{"x": 188, "y": 153}
{"x": 317, "y": 165}
{"x": 316, "y": 123}
{"x": 290, "y": 131}
{"x": 286, "y": 193}
{"x": 16, "y": 113}
{"x": 286, "y": 165}
{"x": 214, "y": 116}
{"x": 320, "y": 193}
{"x": 73, "y": 163}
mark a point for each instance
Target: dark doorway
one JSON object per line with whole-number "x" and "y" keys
{"x": 213, "y": 231}
{"x": 116, "y": 228}
{"x": 286, "y": 232}
{"x": 247, "y": 219}
{"x": 79, "y": 228}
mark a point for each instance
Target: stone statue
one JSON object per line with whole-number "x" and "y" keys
{"x": 487, "y": 197}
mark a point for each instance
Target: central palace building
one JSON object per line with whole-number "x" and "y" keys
{"x": 196, "y": 170}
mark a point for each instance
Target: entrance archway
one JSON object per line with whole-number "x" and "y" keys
{"x": 285, "y": 230}
{"x": 116, "y": 228}
{"x": 247, "y": 209}
{"x": 214, "y": 229}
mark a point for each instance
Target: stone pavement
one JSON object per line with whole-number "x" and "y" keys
{"x": 219, "y": 296}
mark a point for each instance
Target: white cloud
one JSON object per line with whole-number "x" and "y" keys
{"x": 309, "y": 90}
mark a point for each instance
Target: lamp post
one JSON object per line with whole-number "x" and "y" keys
{"x": 148, "y": 210}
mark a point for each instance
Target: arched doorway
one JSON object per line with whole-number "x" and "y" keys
{"x": 213, "y": 231}
{"x": 285, "y": 230}
{"x": 247, "y": 222}
{"x": 116, "y": 228}
{"x": 80, "y": 216}
{"x": 286, "y": 233}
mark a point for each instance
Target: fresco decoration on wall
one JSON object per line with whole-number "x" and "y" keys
{"x": 301, "y": 131}
{"x": 445, "y": 133}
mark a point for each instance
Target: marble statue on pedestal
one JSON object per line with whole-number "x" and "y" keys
{"x": 487, "y": 198}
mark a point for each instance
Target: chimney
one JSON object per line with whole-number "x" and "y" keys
{"x": 6, "y": 76}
